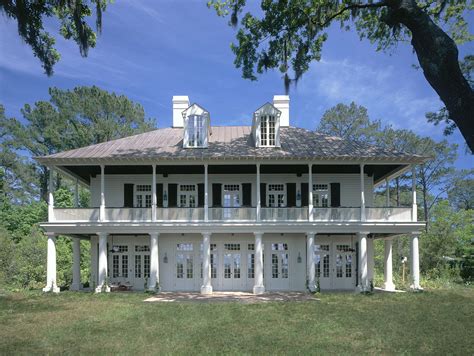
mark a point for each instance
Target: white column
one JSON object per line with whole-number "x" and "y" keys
{"x": 94, "y": 261}
{"x": 388, "y": 270}
{"x": 51, "y": 285}
{"x": 206, "y": 287}
{"x": 387, "y": 193}
{"x": 154, "y": 263}
{"x": 362, "y": 194}
{"x": 76, "y": 264}
{"x": 102, "y": 278}
{"x": 413, "y": 194}
{"x": 363, "y": 280}
{"x": 258, "y": 288}
{"x": 370, "y": 261}
{"x": 310, "y": 236}
{"x": 206, "y": 196}
{"x": 310, "y": 192}
{"x": 259, "y": 203}
{"x": 76, "y": 194}
{"x": 102, "y": 193}
{"x": 153, "y": 193}
{"x": 51, "y": 195}
{"x": 415, "y": 262}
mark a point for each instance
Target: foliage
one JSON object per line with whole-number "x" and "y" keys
{"x": 350, "y": 122}
{"x": 72, "y": 17}
{"x": 461, "y": 190}
{"x": 71, "y": 119}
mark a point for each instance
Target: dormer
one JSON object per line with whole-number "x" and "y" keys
{"x": 266, "y": 126}
{"x": 196, "y": 127}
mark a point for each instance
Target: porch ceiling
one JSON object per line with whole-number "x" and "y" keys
{"x": 378, "y": 171}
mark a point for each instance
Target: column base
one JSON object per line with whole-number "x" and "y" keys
{"x": 362, "y": 289}
{"x": 389, "y": 287}
{"x": 206, "y": 289}
{"x": 258, "y": 289}
{"x": 416, "y": 288}
{"x": 53, "y": 289}
{"x": 100, "y": 289}
{"x": 76, "y": 287}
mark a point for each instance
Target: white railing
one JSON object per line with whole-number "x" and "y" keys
{"x": 233, "y": 214}
{"x": 76, "y": 214}
{"x": 397, "y": 214}
{"x": 336, "y": 214}
{"x": 127, "y": 214}
{"x": 179, "y": 214}
{"x": 284, "y": 214}
{"x": 388, "y": 214}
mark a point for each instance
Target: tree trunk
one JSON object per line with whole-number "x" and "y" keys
{"x": 438, "y": 57}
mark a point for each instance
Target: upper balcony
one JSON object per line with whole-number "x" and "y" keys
{"x": 244, "y": 214}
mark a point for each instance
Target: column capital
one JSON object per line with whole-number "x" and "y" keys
{"x": 416, "y": 233}
{"x": 206, "y": 234}
{"x": 50, "y": 234}
{"x": 363, "y": 233}
{"x": 312, "y": 233}
{"x": 102, "y": 233}
{"x": 154, "y": 234}
{"x": 258, "y": 234}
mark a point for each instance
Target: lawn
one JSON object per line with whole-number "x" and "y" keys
{"x": 440, "y": 322}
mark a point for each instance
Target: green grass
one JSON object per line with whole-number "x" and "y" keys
{"x": 440, "y": 322}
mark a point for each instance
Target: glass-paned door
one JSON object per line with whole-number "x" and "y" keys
{"x": 120, "y": 269}
{"x": 187, "y": 196}
{"x": 322, "y": 259}
{"x": 232, "y": 267}
{"x": 141, "y": 266}
{"x": 184, "y": 266}
{"x": 343, "y": 266}
{"x": 231, "y": 199}
{"x": 279, "y": 266}
{"x": 276, "y": 196}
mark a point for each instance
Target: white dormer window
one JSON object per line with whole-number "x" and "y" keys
{"x": 267, "y": 130}
{"x": 197, "y": 131}
{"x": 266, "y": 126}
{"x": 196, "y": 127}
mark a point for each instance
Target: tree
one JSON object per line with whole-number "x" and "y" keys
{"x": 461, "y": 190}
{"x": 350, "y": 122}
{"x": 72, "y": 119}
{"x": 71, "y": 15}
{"x": 290, "y": 34}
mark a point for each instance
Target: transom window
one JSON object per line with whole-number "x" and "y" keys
{"x": 196, "y": 131}
{"x": 142, "y": 248}
{"x": 321, "y": 195}
{"x": 184, "y": 247}
{"x": 267, "y": 130}
{"x": 232, "y": 247}
{"x": 187, "y": 196}
{"x": 143, "y": 196}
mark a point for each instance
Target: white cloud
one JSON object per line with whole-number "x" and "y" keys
{"x": 383, "y": 90}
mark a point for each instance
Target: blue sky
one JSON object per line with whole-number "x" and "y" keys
{"x": 152, "y": 50}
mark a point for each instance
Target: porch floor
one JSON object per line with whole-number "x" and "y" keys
{"x": 241, "y": 297}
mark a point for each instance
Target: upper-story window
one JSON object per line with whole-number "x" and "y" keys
{"x": 267, "y": 130}
{"x": 197, "y": 131}
{"x": 321, "y": 195}
{"x": 143, "y": 196}
{"x": 196, "y": 126}
{"x": 276, "y": 196}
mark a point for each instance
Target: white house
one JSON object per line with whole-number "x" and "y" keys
{"x": 267, "y": 207}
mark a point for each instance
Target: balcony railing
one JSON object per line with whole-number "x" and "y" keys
{"x": 395, "y": 214}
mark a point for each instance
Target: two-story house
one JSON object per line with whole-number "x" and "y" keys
{"x": 197, "y": 207}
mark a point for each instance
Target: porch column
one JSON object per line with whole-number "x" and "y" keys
{"x": 387, "y": 193}
{"x": 206, "y": 197}
{"x": 153, "y": 193}
{"x": 259, "y": 203}
{"x": 415, "y": 262}
{"x": 102, "y": 277}
{"x": 51, "y": 285}
{"x": 370, "y": 261}
{"x": 414, "y": 213}
{"x": 51, "y": 195}
{"x": 102, "y": 193}
{"x": 310, "y": 192}
{"x": 310, "y": 261}
{"x": 154, "y": 279}
{"x": 363, "y": 280}
{"x": 76, "y": 264}
{"x": 362, "y": 193}
{"x": 388, "y": 273}
{"x": 206, "y": 287}
{"x": 258, "y": 288}
{"x": 76, "y": 194}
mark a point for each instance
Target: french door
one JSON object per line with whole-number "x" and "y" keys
{"x": 184, "y": 264}
{"x": 278, "y": 267}
{"x": 232, "y": 276}
{"x": 141, "y": 266}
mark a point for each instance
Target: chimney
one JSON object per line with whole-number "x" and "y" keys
{"x": 282, "y": 103}
{"x": 180, "y": 103}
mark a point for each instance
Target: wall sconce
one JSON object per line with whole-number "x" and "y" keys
{"x": 299, "y": 258}
{"x": 298, "y": 195}
{"x": 165, "y": 258}
{"x": 165, "y": 196}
